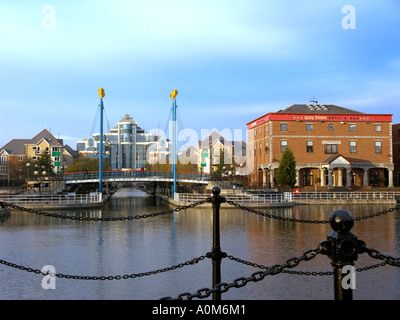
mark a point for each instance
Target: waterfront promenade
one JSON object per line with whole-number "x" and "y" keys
{"x": 253, "y": 200}
{"x": 63, "y": 201}
{"x": 291, "y": 198}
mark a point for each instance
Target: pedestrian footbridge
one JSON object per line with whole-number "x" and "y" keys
{"x": 134, "y": 176}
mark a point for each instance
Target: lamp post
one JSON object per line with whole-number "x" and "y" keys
{"x": 173, "y": 97}
{"x": 101, "y": 94}
{"x": 27, "y": 171}
{"x": 43, "y": 174}
{"x": 27, "y": 174}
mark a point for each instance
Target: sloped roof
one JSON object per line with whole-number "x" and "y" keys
{"x": 239, "y": 147}
{"x": 318, "y": 108}
{"x": 190, "y": 150}
{"x": 127, "y": 119}
{"x": 15, "y": 147}
{"x": 46, "y": 135}
{"x": 73, "y": 153}
{"x": 333, "y": 157}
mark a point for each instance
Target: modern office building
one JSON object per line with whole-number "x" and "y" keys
{"x": 333, "y": 146}
{"x": 126, "y": 146}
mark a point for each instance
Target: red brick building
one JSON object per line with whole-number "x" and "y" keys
{"x": 334, "y": 147}
{"x": 396, "y": 153}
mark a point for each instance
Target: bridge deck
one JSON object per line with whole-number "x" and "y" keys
{"x": 134, "y": 176}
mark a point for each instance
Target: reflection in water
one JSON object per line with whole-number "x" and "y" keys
{"x": 128, "y": 247}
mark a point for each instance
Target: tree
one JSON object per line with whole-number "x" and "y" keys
{"x": 180, "y": 167}
{"x": 286, "y": 173}
{"x": 44, "y": 162}
{"x": 29, "y": 166}
{"x": 221, "y": 167}
{"x": 83, "y": 163}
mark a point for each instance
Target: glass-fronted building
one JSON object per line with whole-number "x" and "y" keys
{"x": 126, "y": 146}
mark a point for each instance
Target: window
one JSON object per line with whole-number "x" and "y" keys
{"x": 353, "y": 146}
{"x": 378, "y": 128}
{"x": 310, "y": 146}
{"x": 260, "y": 131}
{"x": 283, "y": 145}
{"x": 308, "y": 178}
{"x": 374, "y": 178}
{"x": 266, "y": 146}
{"x": 266, "y": 128}
{"x": 91, "y": 142}
{"x": 331, "y": 148}
{"x": 309, "y": 127}
{"x": 283, "y": 126}
{"x": 378, "y": 146}
{"x": 352, "y": 128}
{"x": 260, "y": 147}
{"x": 255, "y": 132}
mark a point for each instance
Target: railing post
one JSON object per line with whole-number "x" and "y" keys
{"x": 343, "y": 248}
{"x": 216, "y": 253}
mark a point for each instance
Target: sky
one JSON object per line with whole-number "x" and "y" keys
{"x": 231, "y": 61}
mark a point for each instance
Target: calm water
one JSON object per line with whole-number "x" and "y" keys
{"x": 127, "y": 247}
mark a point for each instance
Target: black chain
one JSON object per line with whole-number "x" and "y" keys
{"x": 117, "y": 277}
{"x": 260, "y": 266}
{"x": 237, "y": 205}
{"x": 54, "y": 215}
{"x": 373, "y": 215}
{"x": 302, "y": 273}
{"x": 380, "y": 256}
{"x": 192, "y": 205}
{"x": 222, "y": 287}
{"x": 255, "y": 277}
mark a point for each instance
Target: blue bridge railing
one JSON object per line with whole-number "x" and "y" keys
{"x": 123, "y": 175}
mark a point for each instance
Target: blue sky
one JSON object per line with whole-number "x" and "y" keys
{"x": 231, "y": 61}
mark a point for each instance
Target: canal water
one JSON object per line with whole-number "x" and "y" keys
{"x": 139, "y": 246}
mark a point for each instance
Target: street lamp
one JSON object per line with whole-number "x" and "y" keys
{"x": 27, "y": 174}
{"x": 173, "y": 97}
{"x": 36, "y": 173}
{"x": 27, "y": 170}
{"x": 102, "y": 95}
